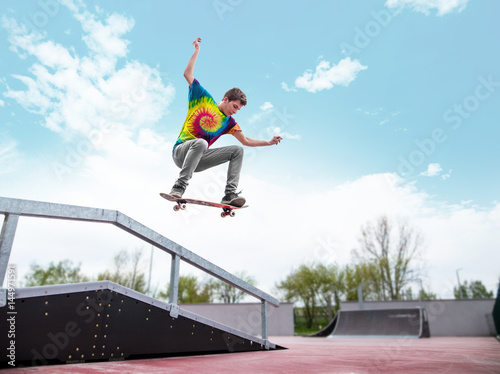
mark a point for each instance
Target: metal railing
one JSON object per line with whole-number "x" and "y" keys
{"x": 12, "y": 209}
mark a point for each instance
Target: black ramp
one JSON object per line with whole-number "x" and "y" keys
{"x": 103, "y": 321}
{"x": 496, "y": 312}
{"x": 327, "y": 330}
{"x": 408, "y": 322}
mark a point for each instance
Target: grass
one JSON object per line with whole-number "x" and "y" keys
{"x": 301, "y": 328}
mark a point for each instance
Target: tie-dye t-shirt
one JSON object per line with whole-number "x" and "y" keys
{"x": 204, "y": 119}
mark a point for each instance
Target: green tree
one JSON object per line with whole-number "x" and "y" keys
{"x": 426, "y": 295}
{"x": 366, "y": 275}
{"x": 331, "y": 288}
{"x": 422, "y": 294}
{"x": 190, "y": 291}
{"x": 394, "y": 250}
{"x": 302, "y": 286}
{"x": 61, "y": 273}
{"x": 472, "y": 290}
{"x": 313, "y": 286}
{"x": 225, "y": 293}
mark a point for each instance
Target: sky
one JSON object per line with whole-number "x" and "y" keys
{"x": 386, "y": 107}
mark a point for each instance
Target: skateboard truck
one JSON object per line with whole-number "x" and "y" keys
{"x": 227, "y": 212}
{"x": 181, "y": 205}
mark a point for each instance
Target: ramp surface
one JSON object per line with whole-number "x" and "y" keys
{"x": 103, "y": 321}
{"x": 496, "y": 312}
{"x": 328, "y": 330}
{"x": 409, "y": 322}
{"x": 312, "y": 355}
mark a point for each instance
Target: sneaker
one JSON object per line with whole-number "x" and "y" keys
{"x": 233, "y": 199}
{"x": 177, "y": 191}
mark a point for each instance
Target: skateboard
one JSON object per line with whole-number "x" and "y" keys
{"x": 181, "y": 204}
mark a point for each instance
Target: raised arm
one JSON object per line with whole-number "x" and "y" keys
{"x": 189, "y": 72}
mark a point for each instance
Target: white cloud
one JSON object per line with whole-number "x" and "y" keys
{"x": 278, "y": 131}
{"x": 266, "y": 106}
{"x": 266, "y": 110}
{"x": 425, "y": 6}
{"x": 372, "y": 113}
{"x": 432, "y": 170}
{"x": 2, "y": 103}
{"x": 78, "y": 93}
{"x": 9, "y": 156}
{"x": 325, "y": 77}
{"x": 286, "y": 88}
{"x": 446, "y": 176}
{"x": 24, "y": 42}
{"x": 378, "y": 113}
{"x": 283, "y": 223}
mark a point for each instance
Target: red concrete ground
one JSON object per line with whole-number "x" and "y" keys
{"x": 319, "y": 355}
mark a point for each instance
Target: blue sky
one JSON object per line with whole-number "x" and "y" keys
{"x": 386, "y": 107}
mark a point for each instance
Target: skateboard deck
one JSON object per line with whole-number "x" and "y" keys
{"x": 181, "y": 204}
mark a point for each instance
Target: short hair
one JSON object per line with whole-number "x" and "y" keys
{"x": 236, "y": 94}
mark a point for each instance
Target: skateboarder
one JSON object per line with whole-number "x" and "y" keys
{"x": 205, "y": 122}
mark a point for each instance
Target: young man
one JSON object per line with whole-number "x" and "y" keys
{"x": 206, "y": 121}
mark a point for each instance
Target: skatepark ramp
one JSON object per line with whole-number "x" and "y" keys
{"x": 328, "y": 330}
{"x": 405, "y": 322}
{"x": 408, "y": 322}
{"x": 496, "y": 313}
{"x": 103, "y": 320}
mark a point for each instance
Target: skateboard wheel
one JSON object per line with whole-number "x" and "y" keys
{"x": 223, "y": 214}
{"x": 176, "y": 208}
{"x": 232, "y": 213}
{"x": 183, "y": 206}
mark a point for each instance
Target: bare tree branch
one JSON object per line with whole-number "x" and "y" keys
{"x": 394, "y": 250}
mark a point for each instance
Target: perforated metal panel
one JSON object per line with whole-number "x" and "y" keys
{"x": 105, "y": 324}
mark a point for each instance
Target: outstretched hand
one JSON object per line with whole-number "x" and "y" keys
{"x": 275, "y": 140}
{"x": 196, "y": 43}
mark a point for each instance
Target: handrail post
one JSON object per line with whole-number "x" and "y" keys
{"x": 264, "y": 321}
{"x": 360, "y": 296}
{"x": 6, "y": 240}
{"x": 173, "y": 295}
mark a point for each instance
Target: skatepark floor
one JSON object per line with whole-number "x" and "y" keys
{"x": 319, "y": 355}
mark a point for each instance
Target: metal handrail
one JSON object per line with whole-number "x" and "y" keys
{"x": 15, "y": 208}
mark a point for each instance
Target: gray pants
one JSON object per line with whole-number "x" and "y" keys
{"x": 194, "y": 156}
